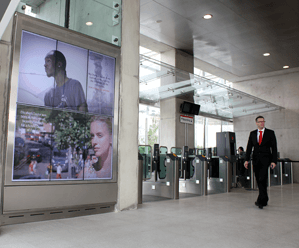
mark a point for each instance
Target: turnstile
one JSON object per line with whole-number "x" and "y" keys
{"x": 282, "y": 173}
{"x": 191, "y": 171}
{"x": 162, "y": 180}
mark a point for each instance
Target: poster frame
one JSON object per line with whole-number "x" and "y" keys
{"x": 39, "y": 27}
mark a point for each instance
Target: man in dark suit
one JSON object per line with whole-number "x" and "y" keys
{"x": 263, "y": 142}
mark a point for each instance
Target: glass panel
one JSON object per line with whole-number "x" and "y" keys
{"x": 227, "y": 126}
{"x": 199, "y": 132}
{"x": 146, "y": 153}
{"x": 163, "y": 152}
{"x": 100, "y": 19}
{"x": 52, "y": 11}
{"x": 177, "y": 151}
{"x": 212, "y": 127}
{"x": 215, "y": 95}
{"x": 149, "y": 122}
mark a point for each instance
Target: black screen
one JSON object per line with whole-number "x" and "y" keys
{"x": 190, "y": 108}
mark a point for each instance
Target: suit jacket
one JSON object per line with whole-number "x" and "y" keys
{"x": 266, "y": 152}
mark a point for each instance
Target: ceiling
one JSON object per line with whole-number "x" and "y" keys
{"x": 237, "y": 36}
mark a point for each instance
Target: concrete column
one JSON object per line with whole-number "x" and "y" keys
{"x": 173, "y": 133}
{"x": 128, "y": 107}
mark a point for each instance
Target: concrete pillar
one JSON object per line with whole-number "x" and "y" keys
{"x": 173, "y": 133}
{"x": 128, "y": 107}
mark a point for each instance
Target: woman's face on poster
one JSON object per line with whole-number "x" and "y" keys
{"x": 101, "y": 139}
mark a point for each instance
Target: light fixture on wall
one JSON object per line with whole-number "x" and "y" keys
{"x": 266, "y": 54}
{"x": 207, "y": 16}
{"x": 89, "y": 23}
{"x": 286, "y": 67}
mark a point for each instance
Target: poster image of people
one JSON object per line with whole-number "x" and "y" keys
{"x": 100, "y": 90}
{"x": 32, "y": 150}
{"x": 64, "y": 116}
{"x": 98, "y": 162}
{"x": 52, "y": 73}
{"x": 61, "y": 145}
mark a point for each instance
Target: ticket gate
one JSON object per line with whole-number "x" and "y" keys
{"x": 161, "y": 179}
{"x": 282, "y": 173}
{"x": 192, "y": 171}
{"x": 286, "y": 171}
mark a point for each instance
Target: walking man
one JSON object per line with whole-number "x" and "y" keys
{"x": 263, "y": 142}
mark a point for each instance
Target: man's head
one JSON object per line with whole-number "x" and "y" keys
{"x": 260, "y": 122}
{"x": 241, "y": 149}
{"x": 54, "y": 62}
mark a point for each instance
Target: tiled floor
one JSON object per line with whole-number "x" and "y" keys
{"x": 222, "y": 220}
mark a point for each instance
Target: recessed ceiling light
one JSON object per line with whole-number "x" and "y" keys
{"x": 89, "y": 23}
{"x": 286, "y": 67}
{"x": 266, "y": 54}
{"x": 207, "y": 16}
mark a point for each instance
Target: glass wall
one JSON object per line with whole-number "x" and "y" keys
{"x": 199, "y": 131}
{"x": 149, "y": 125}
{"x": 100, "y": 19}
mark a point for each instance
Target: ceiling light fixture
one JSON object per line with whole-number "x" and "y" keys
{"x": 266, "y": 54}
{"x": 158, "y": 21}
{"x": 207, "y": 16}
{"x": 286, "y": 67}
{"x": 89, "y": 23}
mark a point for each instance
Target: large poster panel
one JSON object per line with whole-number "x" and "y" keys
{"x": 65, "y": 108}
{"x": 100, "y": 91}
{"x": 52, "y": 73}
{"x": 98, "y": 163}
{"x": 32, "y": 150}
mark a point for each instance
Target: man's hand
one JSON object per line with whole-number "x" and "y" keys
{"x": 272, "y": 165}
{"x": 246, "y": 164}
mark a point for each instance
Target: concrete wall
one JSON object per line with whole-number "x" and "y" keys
{"x": 282, "y": 90}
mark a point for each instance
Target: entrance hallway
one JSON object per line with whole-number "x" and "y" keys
{"x": 222, "y": 220}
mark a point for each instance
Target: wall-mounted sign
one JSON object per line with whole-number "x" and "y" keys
{"x": 186, "y": 119}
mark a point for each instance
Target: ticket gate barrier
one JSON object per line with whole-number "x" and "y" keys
{"x": 286, "y": 171}
{"x": 140, "y": 177}
{"x": 219, "y": 174}
{"x": 164, "y": 180}
{"x": 246, "y": 176}
{"x": 192, "y": 171}
{"x": 282, "y": 173}
{"x": 274, "y": 175}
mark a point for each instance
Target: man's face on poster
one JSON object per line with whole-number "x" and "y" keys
{"x": 50, "y": 65}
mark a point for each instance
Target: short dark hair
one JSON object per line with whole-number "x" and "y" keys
{"x": 59, "y": 57}
{"x": 241, "y": 148}
{"x": 258, "y": 118}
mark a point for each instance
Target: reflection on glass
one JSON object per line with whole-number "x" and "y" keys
{"x": 146, "y": 153}
{"x": 105, "y": 16}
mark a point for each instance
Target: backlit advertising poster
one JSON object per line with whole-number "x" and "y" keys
{"x": 64, "y": 116}
{"x": 100, "y": 91}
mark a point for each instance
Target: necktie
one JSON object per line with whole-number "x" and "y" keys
{"x": 261, "y": 137}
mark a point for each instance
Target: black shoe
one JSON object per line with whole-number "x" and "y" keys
{"x": 259, "y": 205}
